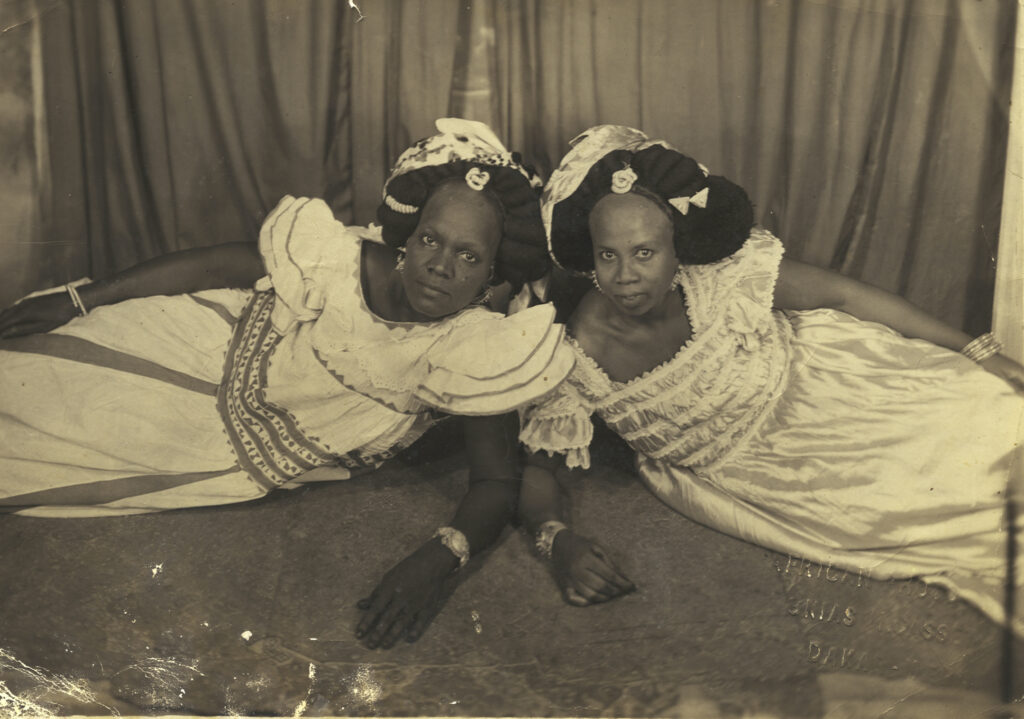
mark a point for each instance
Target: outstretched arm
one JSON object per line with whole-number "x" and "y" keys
{"x": 412, "y": 593}
{"x": 235, "y": 264}
{"x": 583, "y": 569}
{"x": 804, "y": 287}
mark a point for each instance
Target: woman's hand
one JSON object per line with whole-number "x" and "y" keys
{"x": 1004, "y": 367}
{"x": 584, "y": 571}
{"x": 37, "y": 314}
{"x": 408, "y": 597}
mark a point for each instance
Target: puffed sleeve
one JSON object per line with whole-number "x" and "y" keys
{"x": 742, "y": 287}
{"x": 498, "y": 364}
{"x": 304, "y": 248}
{"x": 560, "y": 424}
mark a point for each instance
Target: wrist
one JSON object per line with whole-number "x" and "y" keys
{"x": 546, "y": 536}
{"x": 453, "y": 548}
{"x": 982, "y": 348}
{"x": 438, "y": 557}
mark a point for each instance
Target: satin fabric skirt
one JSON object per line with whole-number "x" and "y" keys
{"x": 883, "y": 455}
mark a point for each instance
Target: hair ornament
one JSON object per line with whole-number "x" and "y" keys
{"x": 477, "y": 179}
{"x": 400, "y": 207}
{"x": 697, "y": 199}
{"x": 622, "y": 180}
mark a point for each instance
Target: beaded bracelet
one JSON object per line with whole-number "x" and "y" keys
{"x": 76, "y": 299}
{"x": 982, "y": 347}
{"x": 456, "y": 543}
{"x": 546, "y": 537}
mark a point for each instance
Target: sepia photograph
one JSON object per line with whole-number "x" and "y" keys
{"x": 512, "y": 358}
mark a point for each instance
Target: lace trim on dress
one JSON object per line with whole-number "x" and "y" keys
{"x": 560, "y": 424}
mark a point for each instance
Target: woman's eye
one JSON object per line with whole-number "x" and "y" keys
{"x": 468, "y": 257}
{"x": 606, "y": 255}
{"x": 428, "y": 241}
{"x": 644, "y": 253}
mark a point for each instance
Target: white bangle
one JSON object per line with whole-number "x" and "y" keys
{"x": 456, "y": 543}
{"x": 546, "y": 537}
{"x": 982, "y": 347}
{"x": 76, "y": 299}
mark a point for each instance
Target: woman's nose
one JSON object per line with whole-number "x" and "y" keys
{"x": 442, "y": 263}
{"x": 626, "y": 274}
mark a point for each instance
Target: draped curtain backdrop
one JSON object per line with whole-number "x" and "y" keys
{"x": 870, "y": 134}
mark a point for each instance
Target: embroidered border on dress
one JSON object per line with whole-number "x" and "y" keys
{"x": 269, "y": 445}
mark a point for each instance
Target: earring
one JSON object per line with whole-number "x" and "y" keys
{"x": 593, "y": 278}
{"x": 484, "y": 297}
{"x": 400, "y": 262}
{"x": 677, "y": 278}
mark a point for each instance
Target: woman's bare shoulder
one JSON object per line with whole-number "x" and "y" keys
{"x": 588, "y": 324}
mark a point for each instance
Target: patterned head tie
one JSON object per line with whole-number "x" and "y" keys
{"x": 614, "y": 159}
{"x": 470, "y": 150}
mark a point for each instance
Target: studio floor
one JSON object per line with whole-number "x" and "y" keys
{"x": 250, "y": 610}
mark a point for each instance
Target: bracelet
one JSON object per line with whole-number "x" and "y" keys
{"x": 456, "y": 543}
{"x": 982, "y": 347}
{"x": 76, "y": 299}
{"x": 546, "y": 537}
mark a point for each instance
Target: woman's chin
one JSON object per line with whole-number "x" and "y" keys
{"x": 432, "y": 308}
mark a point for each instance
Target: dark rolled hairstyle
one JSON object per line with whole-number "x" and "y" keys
{"x": 701, "y": 236}
{"x": 522, "y": 254}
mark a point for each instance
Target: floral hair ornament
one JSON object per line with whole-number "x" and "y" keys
{"x": 623, "y": 180}
{"x": 477, "y": 179}
{"x": 697, "y": 199}
{"x": 456, "y": 140}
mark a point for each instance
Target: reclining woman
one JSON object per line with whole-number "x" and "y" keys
{"x": 215, "y": 375}
{"x": 776, "y": 402}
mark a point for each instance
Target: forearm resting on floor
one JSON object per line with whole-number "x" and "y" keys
{"x": 540, "y": 497}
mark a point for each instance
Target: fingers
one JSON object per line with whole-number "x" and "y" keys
{"x": 401, "y": 621}
{"x": 387, "y": 621}
{"x": 380, "y": 628}
{"x": 574, "y": 597}
{"x": 21, "y": 328}
{"x": 372, "y": 606}
{"x": 420, "y": 624}
{"x": 585, "y": 588}
{"x": 605, "y": 568}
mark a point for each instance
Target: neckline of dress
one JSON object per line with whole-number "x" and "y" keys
{"x": 643, "y": 376}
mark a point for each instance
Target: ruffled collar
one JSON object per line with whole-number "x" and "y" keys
{"x": 368, "y": 351}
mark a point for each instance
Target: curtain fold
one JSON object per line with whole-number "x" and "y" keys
{"x": 870, "y": 134}
{"x": 180, "y": 123}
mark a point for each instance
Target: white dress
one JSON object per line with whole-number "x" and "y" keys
{"x": 811, "y": 433}
{"x": 222, "y": 395}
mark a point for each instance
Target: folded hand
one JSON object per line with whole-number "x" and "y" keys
{"x": 585, "y": 572}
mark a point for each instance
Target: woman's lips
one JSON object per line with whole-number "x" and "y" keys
{"x": 432, "y": 291}
{"x": 631, "y": 299}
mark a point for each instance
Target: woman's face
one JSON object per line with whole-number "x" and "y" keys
{"x": 450, "y": 254}
{"x": 634, "y": 257}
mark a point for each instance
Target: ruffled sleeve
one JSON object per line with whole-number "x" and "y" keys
{"x": 742, "y": 287}
{"x": 560, "y": 424}
{"x": 496, "y": 365}
{"x": 304, "y": 249}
